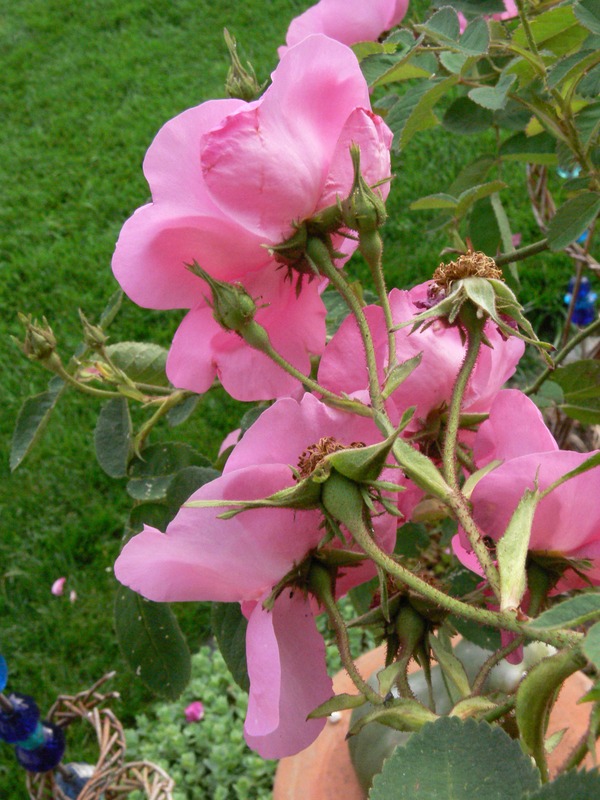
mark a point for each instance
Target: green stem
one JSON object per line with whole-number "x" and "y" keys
{"x": 492, "y": 661}
{"x": 339, "y": 282}
{"x": 453, "y": 420}
{"x": 500, "y": 711}
{"x": 166, "y": 405}
{"x": 581, "y": 749}
{"x": 84, "y": 387}
{"x": 382, "y": 293}
{"x": 331, "y": 398}
{"x": 562, "y": 354}
{"x": 343, "y": 643}
{"x": 497, "y": 619}
{"x": 522, "y": 253}
{"x": 457, "y": 501}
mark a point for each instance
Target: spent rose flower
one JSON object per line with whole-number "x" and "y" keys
{"x": 242, "y": 559}
{"x": 566, "y": 523}
{"x": 347, "y": 21}
{"x": 442, "y": 350}
{"x": 231, "y": 179}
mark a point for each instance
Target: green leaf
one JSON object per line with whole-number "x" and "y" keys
{"x": 476, "y": 37}
{"x": 186, "y": 482}
{"x": 591, "y": 645}
{"x": 112, "y": 437}
{"x": 484, "y": 232}
{"x": 569, "y": 613}
{"x": 454, "y": 760}
{"x": 589, "y": 85}
{"x": 572, "y": 68}
{"x": 229, "y": 627}
{"x": 439, "y": 200}
{"x": 473, "y": 174}
{"x": 182, "y": 411}
{"x": 570, "y": 786}
{"x": 151, "y": 475}
{"x": 475, "y": 193}
{"x": 412, "y": 112}
{"x": 572, "y": 219}
{"x": 457, "y": 681}
{"x": 540, "y": 149}
{"x": 152, "y": 643}
{"x": 141, "y": 361}
{"x": 442, "y": 27}
{"x": 31, "y": 422}
{"x": 399, "y": 374}
{"x": 493, "y": 97}
{"x": 112, "y": 309}
{"x": 466, "y": 117}
{"x": 339, "y": 702}
{"x": 580, "y": 382}
{"x": 512, "y": 551}
{"x": 588, "y": 13}
{"x": 481, "y": 635}
{"x": 536, "y": 695}
{"x": 454, "y": 62}
{"x": 552, "y": 29}
{"x": 587, "y": 122}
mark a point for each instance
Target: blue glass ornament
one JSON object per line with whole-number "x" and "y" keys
{"x": 72, "y": 778}
{"x": 568, "y": 172}
{"x": 584, "y": 311}
{"x": 3, "y": 673}
{"x": 17, "y": 725}
{"x": 47, "y": 755}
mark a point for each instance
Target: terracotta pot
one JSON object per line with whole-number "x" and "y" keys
{"x": 324, "y": 771}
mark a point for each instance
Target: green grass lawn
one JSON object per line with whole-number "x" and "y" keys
{"x": 85, "y": 86}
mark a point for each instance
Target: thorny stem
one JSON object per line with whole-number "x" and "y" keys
{"x": 340, "y": 283}
{"x": 502, "y": 620}
{"x": 331, "y": 398}
{"x": 343, "y": 643}
{"x": 166, "y": 405}
{"x": 456, "y": 500}
{"x": 492, "y": 661}
{"x": 582, "y": 748}
{"x": 379, "y": 280}
{"x": 562, "y": 354}
{"x": 522, "y": 253}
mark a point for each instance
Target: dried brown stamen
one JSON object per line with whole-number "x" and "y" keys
{"x": 472, "y": 264}
{"x": 315, "y": 453}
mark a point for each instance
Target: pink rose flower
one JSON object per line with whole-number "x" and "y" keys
{"x": 347, "y": 21}
{"x": 567, "y": 521}
{"x": 194, "y": 712}
{"x": 228, "y": 180}
{"x": 430, "y": 385}
{"x": 202, "y": 557}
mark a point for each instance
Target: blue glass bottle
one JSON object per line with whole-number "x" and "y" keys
{"x": 17, "y": 725}
{"x": 45, "y": 755}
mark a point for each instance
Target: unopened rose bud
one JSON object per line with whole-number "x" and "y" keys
{"x": 241, "y": 81}
{"x": 93, "y": 335}
{"x": 39, "y": 343}
{"x": 233, "y": 308}
{"x": 363, "y": 210}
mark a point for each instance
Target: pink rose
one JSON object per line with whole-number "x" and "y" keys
{"x": 202, "y": 557}
{"x": 228, "y": 180}
{"x": 567, "y": 521}
{"x": 58, "y": 587}
{"x": 442, "y": 351}
{"x": 347, "y": 21}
